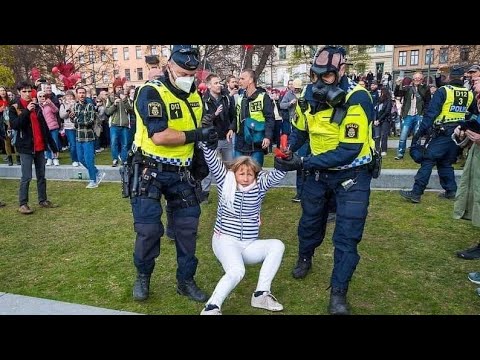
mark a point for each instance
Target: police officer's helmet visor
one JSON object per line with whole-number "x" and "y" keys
{"x": 328, "y": 59}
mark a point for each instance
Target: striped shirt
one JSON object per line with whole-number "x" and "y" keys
{"x": 243, "y": 222}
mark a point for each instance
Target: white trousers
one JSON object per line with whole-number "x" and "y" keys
{"x": 233, "y": 254}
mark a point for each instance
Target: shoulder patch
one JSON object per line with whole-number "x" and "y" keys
{"x": 154, "y": 109}
{"x": 351, "y": 131}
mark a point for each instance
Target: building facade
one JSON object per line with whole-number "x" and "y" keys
{"x": 408, "y": 59}
{"x": 99, "y": 65}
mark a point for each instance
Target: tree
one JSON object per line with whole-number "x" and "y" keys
{"x": 7, "y": 77}
{"x": 358, "y": 56}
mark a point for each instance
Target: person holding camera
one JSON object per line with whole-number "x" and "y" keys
{"x": 448, "y": 106}
{"x": 336, "y": 115}
{"x": 169, "y": 115}
{"x": 467, "y": 200}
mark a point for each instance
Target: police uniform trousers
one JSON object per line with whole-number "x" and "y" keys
{"x": 442, "y": 152}
{"x": 352, "y": 209}
{"x": 184, "y": 211}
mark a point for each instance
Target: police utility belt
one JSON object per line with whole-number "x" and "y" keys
{"x": 160, "y": 167}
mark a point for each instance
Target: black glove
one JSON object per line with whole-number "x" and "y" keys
{"x": 302, "y": 103}
{"x": 207, "y": 134}
{"x": 207, "y": 120}
{"x": 294, "y": 163}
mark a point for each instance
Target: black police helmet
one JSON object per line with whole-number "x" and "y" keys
{"x": 185, "y": 56}
{"x": 328, "y": 58}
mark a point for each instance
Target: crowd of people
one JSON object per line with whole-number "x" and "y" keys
{"x": 172, "y": 140}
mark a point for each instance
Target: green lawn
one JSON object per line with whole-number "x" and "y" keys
{"x": 82, "y": 252}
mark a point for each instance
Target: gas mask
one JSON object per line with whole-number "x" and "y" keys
{"x": 328, "y": 59}
{"x": 328, "y": 93}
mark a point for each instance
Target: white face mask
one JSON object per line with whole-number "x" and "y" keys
{"x": 184, "y": 83}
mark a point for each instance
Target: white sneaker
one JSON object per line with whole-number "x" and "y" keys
{"x": 214, "y": 311}
{"x": 100, "y": 177}
{"x": 266, "y": 301}
{"x": 75, "y": 163}
{"x": 383, "y": 153}
{"x": 91, "y": 185}
{"x": 56, "y": 162}
{"x": 49, "y": 162}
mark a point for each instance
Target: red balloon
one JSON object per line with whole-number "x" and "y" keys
{"x": 55, "y": 70}
{"x": 247, "y": 47}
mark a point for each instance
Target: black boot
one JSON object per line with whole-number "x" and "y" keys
{"x": 189, "y": 288}
{"x": 304, "y": 264}
{"x": 338, "y": 302}
{"x": 18, "y": 160}
{"x": 10, "y": 160}
{"x": 141, "y": 287}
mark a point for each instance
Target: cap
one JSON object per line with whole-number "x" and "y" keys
{"x": 473, "y": 68}
{"x": 328, "y": 58}
{"x": 185, "y": 56}
{"x": 457, "y": 71}
{"x": 297, "y": 84}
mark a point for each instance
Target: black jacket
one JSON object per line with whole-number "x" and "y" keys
{"x": 222, "y": 121}
{"x": 20, "y": 121}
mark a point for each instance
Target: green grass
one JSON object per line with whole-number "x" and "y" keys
{"x": 82, "y": 252}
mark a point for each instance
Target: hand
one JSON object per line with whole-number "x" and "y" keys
{"x": 117, "y": 101}
{"x": 459, "y": 133}
{"x": 265, "y": 143}
{"x": 472, "y": 135}
{"x": 207, "y": 120}
{"x": 229, "y": 135}
{"x": 376, "y": 123}
{"x": 219, "y": 110}
{"x": 293, "y": 102}
{"x": 295, "y": 163}
{"x": 207, "y": 134}
{"x": 31, "y": 106}
{"x": 303, "y": 104}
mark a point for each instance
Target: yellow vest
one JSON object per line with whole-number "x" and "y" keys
{"x": 179, "y": 119}
{"x": 255, "y": 107}
{"x": 325, "y": 135}
{"x": 455, "y": 106}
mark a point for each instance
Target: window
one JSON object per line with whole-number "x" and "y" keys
{"x": 429, "y": 56}
{"x": 297, "y": 51}
{"x": 139, "y": 73}
{"x": 464, "y": 54}
{"x": 153, "y": 50}
{"x": 116, "y": 73}
{"x": 138, "y": 52}
{"x": 414, "y": 57}
{"x": 282, "y": 53}
{"x": 443, "y": 57}
{"x": 126, "y": 54}
{"x": 114, "y": 54}
{"x": 402, "y": 58}
{"x": 91, "y": 56}
{"x": 105, "y": 77}
{"x": 103, "y": 55}
{"x": 81, "y": 58}
{"x": 127, "y": 74}
{"x": 380, "y": 48}
{"x": 82, "y": 75}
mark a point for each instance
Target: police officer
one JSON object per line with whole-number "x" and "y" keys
{"x": 253, "y": 104}
{"x": 337, "y": 119}
{"x": 448, "y": 106}
{"x": 169, "y": 114}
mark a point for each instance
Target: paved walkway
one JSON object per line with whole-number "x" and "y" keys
{"x": 11, "y": 304}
